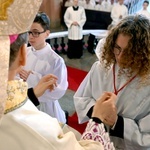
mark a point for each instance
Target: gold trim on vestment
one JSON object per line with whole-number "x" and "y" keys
{"x": 15, "y": 107}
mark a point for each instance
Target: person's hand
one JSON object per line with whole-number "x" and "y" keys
{"x": 46, "y": 82}
{"x": 24, "y": 74}
{"x": 75, "y": 23}
{"x": 120, "y": 17}
{"x": 105, "y": 109}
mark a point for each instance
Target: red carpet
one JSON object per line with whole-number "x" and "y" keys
{"x": 75, "y": 77}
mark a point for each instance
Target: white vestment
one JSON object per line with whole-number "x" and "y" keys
{"x": 99, "y": 7}
{"x": 145, "y": 13}
{"x": 24, "y": 127}
{"x": 133, "y": 104}
{"x": 88, "y": 6}
{"x": 106, "y": 6}
{"x": 75, "y": 32}
{"x": 27, "y": 128}
{"x": 92, "y": 2}
{"x": 116, "y": 11}
{"x": 68, "y": 3}
{"x": 43, "y": 62}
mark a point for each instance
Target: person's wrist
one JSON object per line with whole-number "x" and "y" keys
{"x": 113, "y": 126}
{"x": 35, "y": 92}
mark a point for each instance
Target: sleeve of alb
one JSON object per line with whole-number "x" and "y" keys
{"x": 118, "y": 129}
{"x": 89, "y": 113}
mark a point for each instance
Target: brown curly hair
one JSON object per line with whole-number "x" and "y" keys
{"x": 136, "y": 57}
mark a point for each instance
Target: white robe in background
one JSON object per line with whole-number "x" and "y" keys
{"x": 145, "y": 13}
{"x": 81, "y": 2}
{"x": 98, "y": 7}
{"x": 88, "y": 6}
{"x": 43, "y": 62}
{"x": 106, "y": 6}
{"x": 92, "y": 2}
{"x": 133, "y": 104}
{"x": 116, "y": 11}
{"x": 68, "y": 3}
{"x": 75, "y": 32}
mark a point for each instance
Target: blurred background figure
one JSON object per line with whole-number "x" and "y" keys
{"x": 68, "y": 3}
{"x": 118, "y": 12}
{"x": 144, "y": 10}
{"x": 98, "y": 5}
{"x": 75, "y": 18}
{"x": 106, "y": 5}
{"x": 88, "y": 5}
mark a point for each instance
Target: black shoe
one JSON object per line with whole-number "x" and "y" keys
{"x": 66, "y": 114}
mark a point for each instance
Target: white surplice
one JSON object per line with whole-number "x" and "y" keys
{"x": 106, "y": 5}
{"x": 133, "y": 104}
{"x": 43, "y": 62}
{"x": 146, "y": 13}
{"x": 88, "y": 6}
{"x": 116, "y": 11}
{"x": 75, "y": 32}
{"x": 68, "y": 3}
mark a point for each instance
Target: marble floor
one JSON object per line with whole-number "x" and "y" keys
{"x": 85, "y": 64}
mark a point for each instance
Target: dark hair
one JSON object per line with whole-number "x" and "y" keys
{"x": 43, "y": 20}
{"x": 15, "y": 46}
{"x": 136, "y": 57}
{"x": 146, "y": 2}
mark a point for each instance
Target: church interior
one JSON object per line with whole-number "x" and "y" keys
{"x": 75, "y": 74}
{"x": 96, "y": 21}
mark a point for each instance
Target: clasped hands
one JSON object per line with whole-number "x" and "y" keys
{"x": 75, "y": 23}
{"x": 120, "y": 17}
{"x": 105, "y": 109}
